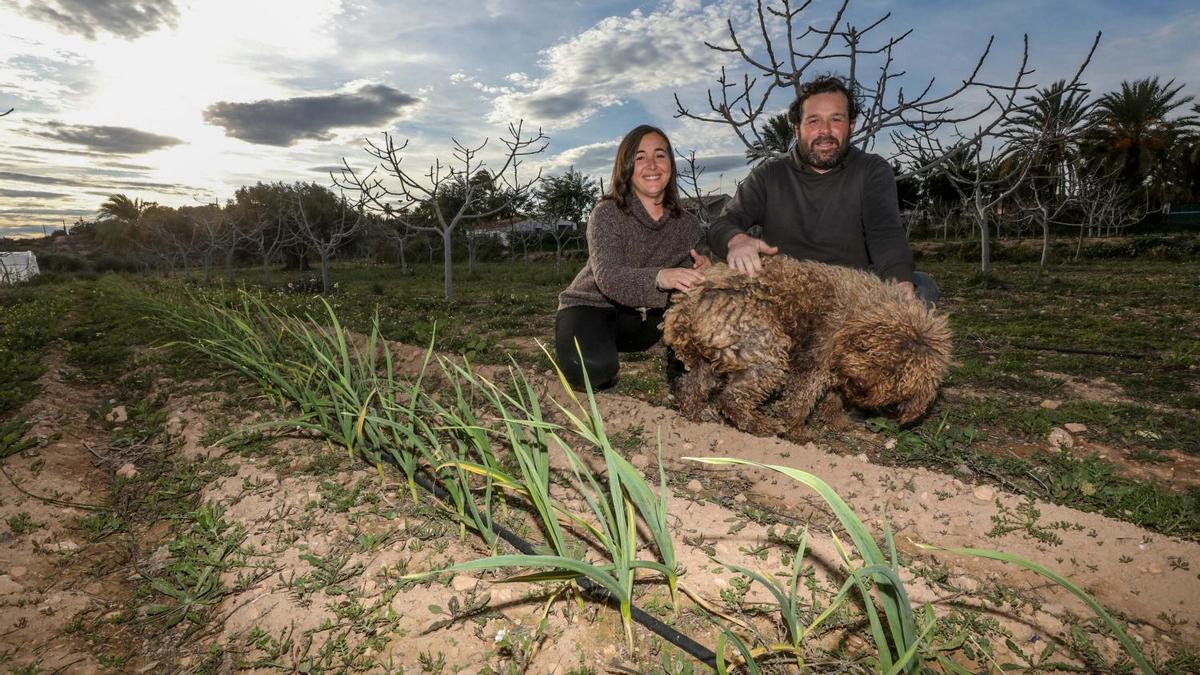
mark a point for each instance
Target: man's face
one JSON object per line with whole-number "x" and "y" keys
{"x": 824, "y": 130}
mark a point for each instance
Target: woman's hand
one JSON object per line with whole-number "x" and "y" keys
{"x": 678, "y": 279}
{"x": 700, "y": 262}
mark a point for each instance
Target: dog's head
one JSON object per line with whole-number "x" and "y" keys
{"x": 893, "y": 354}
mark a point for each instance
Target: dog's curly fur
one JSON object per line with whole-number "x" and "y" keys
{"x": 810, "y": 332}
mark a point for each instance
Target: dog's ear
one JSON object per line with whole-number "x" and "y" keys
{"x": 916, "y": 406}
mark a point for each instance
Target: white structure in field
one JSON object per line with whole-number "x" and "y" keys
{"x": 17, "y": 266}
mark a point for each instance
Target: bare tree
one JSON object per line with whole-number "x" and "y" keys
{"x": 984, "y": 182}
{"x": 210, "y": 234}
{"x": 325, "y": 224}
{"x": 397, "y": 234}
{"x": 1106, "y": 204}
{"x": 689, "y": 184}
{"x": 447, "y": 198}
{"x": 785, "y": 48}
{"x": 1052, "y": 129}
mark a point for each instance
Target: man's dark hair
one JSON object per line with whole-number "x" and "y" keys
{"x": 825, "y": 84}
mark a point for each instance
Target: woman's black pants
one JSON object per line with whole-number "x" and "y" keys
{"x": 602, "y": 332}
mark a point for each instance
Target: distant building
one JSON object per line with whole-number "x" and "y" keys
{"x": 17, "y": 266}
{"x": 506, "y": 228}
{"x": 1183, "y": 214}
{"x": 706, "y": 208}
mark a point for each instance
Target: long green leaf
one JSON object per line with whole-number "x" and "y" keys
{"x": 1123, "y": 637}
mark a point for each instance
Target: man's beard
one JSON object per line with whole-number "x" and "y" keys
{"x": 823, "y": 159}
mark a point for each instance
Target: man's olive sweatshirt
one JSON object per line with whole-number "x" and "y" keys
{"x": 848, "y": 216}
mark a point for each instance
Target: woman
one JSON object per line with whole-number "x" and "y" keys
{"x": 641, "y": 246}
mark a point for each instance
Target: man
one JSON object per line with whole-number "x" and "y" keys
{"x": 823, "y": 201}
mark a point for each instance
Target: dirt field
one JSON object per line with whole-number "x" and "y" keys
{"x": 320, "y": 544}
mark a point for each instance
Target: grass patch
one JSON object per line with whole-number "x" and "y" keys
{"x": 30, "y": 318}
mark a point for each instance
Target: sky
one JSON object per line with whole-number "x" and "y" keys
{"x": 181, "y": 102}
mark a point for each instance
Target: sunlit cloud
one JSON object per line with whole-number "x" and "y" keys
{"x": 618, "y": 58}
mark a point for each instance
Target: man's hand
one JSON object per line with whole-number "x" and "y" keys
{"x": 744, "y": 251}
{"x": 907, "y": 289}
{"x": 678, "y": 279}
{"x": 700, "y": 262}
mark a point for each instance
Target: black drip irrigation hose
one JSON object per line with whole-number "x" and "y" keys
{"x": 687, "y": 644}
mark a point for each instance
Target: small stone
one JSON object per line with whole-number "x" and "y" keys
{"x": 967, "y": 584}
{"x": 8, "y": 586}
{"x": 889, "y": 444}
{"x": 862, "y": 457}
{"x": 1060, "y": 438}
{"x": 1075, "y": 427}
{"x": 688, "y": 446}
{"x": 127, "y": 470}
{"x": 1049, "y": 404}
{"x": 640, "y": 461}
{"x": 463, "y": 583}
{"x": 924, "y": 496}
{"x": 1053, "y": 608}
{"x": 18, "y": 572}
{"x": 984, "y": 493}
{"x": 740, "y": 498}
{"x": 1151, "y": 435}
{"x": 149, "y": 667}
{"x": 174, "y": 425}
{"x": 1154, "y": 568}
{"x": 1144, "y": 546}
{"x": 67, "y": 546}
{"x": 694, "y": 486}
{"x": 117, "y": 415}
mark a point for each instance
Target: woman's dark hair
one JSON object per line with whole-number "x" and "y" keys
{"x": 621, "y": 186}
{"x": 825, "y": 84}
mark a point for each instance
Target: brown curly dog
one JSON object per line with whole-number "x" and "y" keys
{"x": 811, "y": 333}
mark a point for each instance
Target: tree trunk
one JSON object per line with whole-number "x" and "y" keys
{"x": 1045, "y": 240}
{"x": 448, "y": 264}
{"x": 325, "y": 273}
{"x": 985, "y": 242}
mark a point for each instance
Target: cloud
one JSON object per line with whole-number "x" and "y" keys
{"x": 719, "y": 163}
{"x": 619, "y": 58}
{"x": 111, "y": 185}
{"x": 283, "y": 122}
{"x": 593, "y": 159}
{"x": 129, "y": 19}
{"x": 39, "y": 180}
{"x": 29, "y": 193}
{"x": 106, "y": 139}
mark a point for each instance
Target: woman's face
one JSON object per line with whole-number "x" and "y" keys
{"x": 651, "y": 168}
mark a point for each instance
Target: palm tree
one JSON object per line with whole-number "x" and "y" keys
{"x": 776, "y": 139}
{"x": 1134, "y": 137}
{"x": 122, "y": 208}
{"x": 119, "y": 217}
{"x": 1052, "y": 126}
{"x": 1048, "y": 133}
